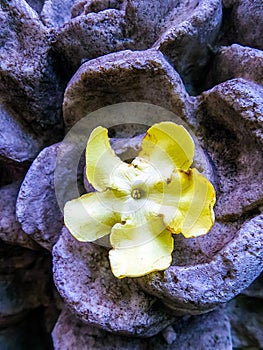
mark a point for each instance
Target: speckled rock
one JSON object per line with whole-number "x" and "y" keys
{"x": 194, "y": 289}
{"x": 237, "y": 61}
{"x": 55, "y": 13}
{"x": 27, "y": 70}
{"x": 37, "y": 208}
{"x": 247, "y": 22}
{"x": 246, "y": 317}
{"x": 255, "y": 290}
{"x": 122, "y": 77}
{"x": 10, "y": 229}
{"x": 90, "y": 35}
{"x": 16, "y": 142}
{"x": 83, "y": 278}
{"x": 24, "y": 280}
{"x": 231, "y": 122}
{"x": 210, "y": 331}
{"x": 191, "y": 29}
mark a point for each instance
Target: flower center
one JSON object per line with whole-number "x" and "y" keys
{"x": 136, "y": 193}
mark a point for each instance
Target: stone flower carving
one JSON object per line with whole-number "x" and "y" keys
{"x": 144, "y": 202}
{"x": 201, "y": 61}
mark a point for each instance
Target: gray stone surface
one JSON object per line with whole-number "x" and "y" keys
{"x": 55, "y": 13}
{"x": 10, "y": 229}
{"x": 91, "y": 35}
{"x": 83, "y": 278}
{"x": 194, "y": 289}
{"x": 255, "y": 290}
{"x": 237, "y": 61}
{"x": 142, "y": 76}
{"x": 16, "y": 142}
{"x": 230, "y": 117}
{"x": 246, "y": 317}
{"x": 192, "y": 27}
{"x": 37, "y": 208}
{"x": 27, "y": 70}
{"x": 24, "y": 280}
{"x": 247, "y": 23}
{"x": 210, "y": 331}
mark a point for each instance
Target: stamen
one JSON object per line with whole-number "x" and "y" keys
{"x": 136, "y": 193}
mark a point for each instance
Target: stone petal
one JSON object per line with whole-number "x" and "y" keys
{"x": 16, "y": 143}
{"x": 142, "y": 74}
{"x": 198, "y": 288}
{"x": 37, "y": 207}
{"x": 237, "y": 61}
{"x": 10, "y": 229}
{"x": 209, "y": 331}
{"x": 91, "y": 35}
{"x": 86, "y": 283}
{"x": 231, "y": 115}
{"x": 27, "y": 71}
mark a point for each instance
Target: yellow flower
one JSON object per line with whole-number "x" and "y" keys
{"x": 143, "y": 203}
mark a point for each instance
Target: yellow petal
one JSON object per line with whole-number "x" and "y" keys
{"x": 196, "y": 206}
{"x": 90, "y": 217}
{"x": 140, "y": 247}
{"x": 186, "y": 202}
{"x": 103, "y": 168}
{"x": 168, "y": 146}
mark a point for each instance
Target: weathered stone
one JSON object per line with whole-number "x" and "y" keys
{"x": 210, "y": 331}
{"x": 10, "y": 229}
{"x": 247, "y": 23}
{"x": 26, "y": 334}
{"x": 37, "y": 208}
{"x": 29, "y": 83}
{"x": 83, "y": 277}
{"x": 11, "y": 171}
{"x": 232, "y": 127}
{"x": 246, "y": 317}
{"x": 16, "y": 143}
{"x": 237, "y": 61}
{"x": 255, "y": 290}
{"x": 89, "y": 36}
{"x": 192, "y": 27}
{"x": 122, "y": 77}
{"x": 194, "y": 289}
{"x": 36, "y": 5}
{"x": 55, "y": 13}
{"x": 24, "y": 282}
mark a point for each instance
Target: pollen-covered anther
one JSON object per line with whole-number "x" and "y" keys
{"x": 136, "y": 193}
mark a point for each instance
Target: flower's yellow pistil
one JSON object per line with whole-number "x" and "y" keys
{"x": 176, "y": 199}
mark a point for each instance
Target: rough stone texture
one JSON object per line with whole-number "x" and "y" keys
{"x": 10, "y": 229}
{"x": 11, "y": 171}
{"x": 210, "y": 331}
{"x": 37, "y": 208}
{"x": 197, "y": 288}
{"x": 55, "y": 13}
{"x": 191, "y": 29}
{"x": 255, "y": 290}
{"x": 27, "y": 70}
{"x": 83, "y": 277}
{"x": 16, "y": 143}
{"x": 232, "y": 127}
{"x": 246, "y": 317}
{"x": 246, "y": 22}
{"x": 122, "y": 77}
{"x": 25, "y": 279}
{"x": 90, "y": 35}
{"x": 236, "y": 61}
